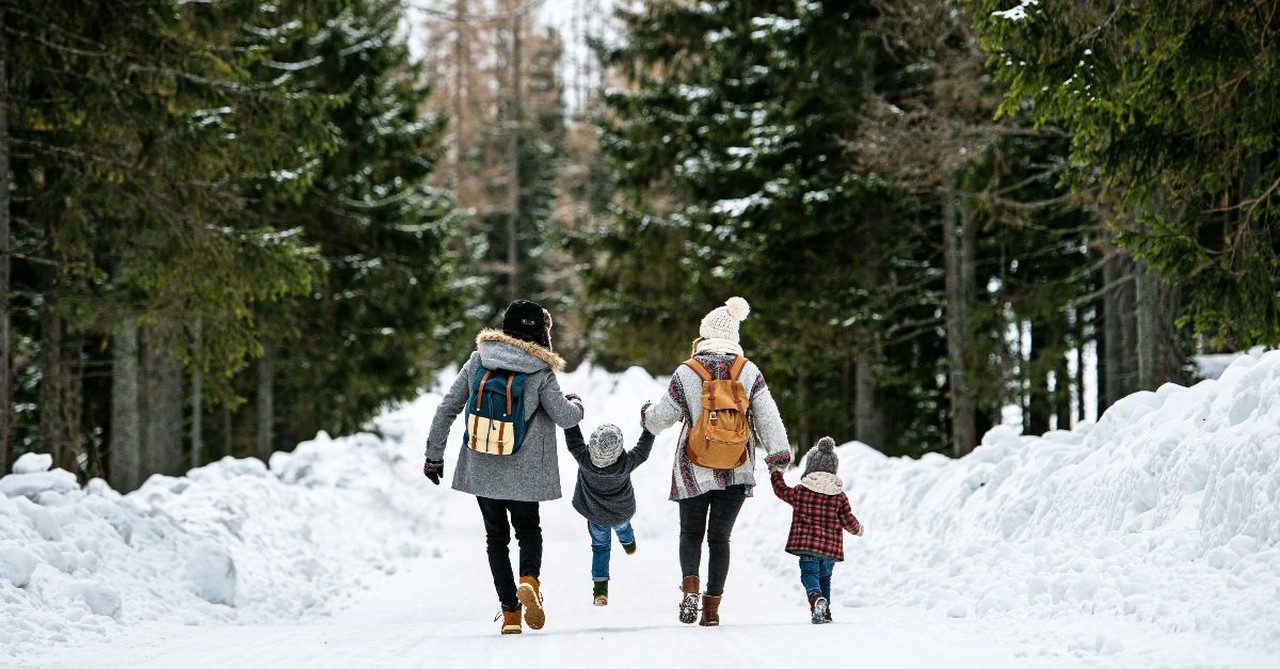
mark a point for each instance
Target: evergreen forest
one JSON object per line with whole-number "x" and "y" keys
{"x": 226, "y": 226}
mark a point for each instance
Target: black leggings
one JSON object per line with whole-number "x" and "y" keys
{"x": 711, "y": 514}
{"x": 497, "y": 532}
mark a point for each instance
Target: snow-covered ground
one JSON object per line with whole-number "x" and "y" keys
{"x": 1151, "y": 539}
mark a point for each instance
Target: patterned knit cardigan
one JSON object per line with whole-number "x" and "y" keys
{"x": 683, "y": 403}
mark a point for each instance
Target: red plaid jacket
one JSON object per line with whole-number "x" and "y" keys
{"x": 816, "y": 519}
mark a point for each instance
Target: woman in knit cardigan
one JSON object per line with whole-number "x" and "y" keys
{"x": 710, "y": 499}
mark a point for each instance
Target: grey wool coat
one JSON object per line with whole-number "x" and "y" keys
{"x": 604, "y": 495}
{"x": 532, "y": 474}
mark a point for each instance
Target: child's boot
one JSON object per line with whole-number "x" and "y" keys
{"x": 531, "y": 598}
{"x": 510, "y": 620}
{"x": 710, "y": 611}
{"x": 817, "y": 608}
{"x": 629, "y": 548}
{"x": 600, "y": 590}
{"x": 689, "y": 600}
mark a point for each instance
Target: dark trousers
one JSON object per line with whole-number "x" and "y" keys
{"x": 497, "y": 532}
{"x": 712, "y": 515}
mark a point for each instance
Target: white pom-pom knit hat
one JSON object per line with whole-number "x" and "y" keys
{"x": 719, "y": 329}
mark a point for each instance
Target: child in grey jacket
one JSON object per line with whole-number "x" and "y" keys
{"x": 604, "y": 495}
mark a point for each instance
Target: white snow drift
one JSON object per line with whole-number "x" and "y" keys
{"x": 230, "y": 542}
{"x": 1167, "y": 511}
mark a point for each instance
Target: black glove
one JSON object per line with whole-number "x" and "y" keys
{"x": 434, "y": 469}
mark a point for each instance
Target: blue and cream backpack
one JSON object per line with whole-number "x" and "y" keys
{"x": 495, "y": 413}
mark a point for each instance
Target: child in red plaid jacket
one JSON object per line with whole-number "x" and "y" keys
{"x": 820, "y": 512}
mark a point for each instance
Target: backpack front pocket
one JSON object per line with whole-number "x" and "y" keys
{"x": 496, "y": 437}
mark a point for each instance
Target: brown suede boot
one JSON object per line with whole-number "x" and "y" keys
{"x": 710, "y": 611}
{"x": 510, "y": 621}
{"x": 529, "y": 595}
{"x": 689, "y": 600}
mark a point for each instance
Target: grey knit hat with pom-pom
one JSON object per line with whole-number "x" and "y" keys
{"x": 822, "y": 458}
{"x": 605, "y": 446}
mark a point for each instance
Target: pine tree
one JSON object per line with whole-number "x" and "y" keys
{"x": 1170, "y": 106}
{"x": 733, "y": 160}
{"x": 389, "y": 310}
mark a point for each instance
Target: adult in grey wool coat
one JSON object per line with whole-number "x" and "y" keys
{"x": 508, "y": 488}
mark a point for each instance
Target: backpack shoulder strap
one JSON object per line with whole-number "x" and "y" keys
{"x": 481, "y": 378}
{"x": 736, "y": 368}
{"x": 699, "y": 369}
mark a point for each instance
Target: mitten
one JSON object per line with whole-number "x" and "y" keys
{"x": 643, "y": 409}
{"x": 434, "y": 469}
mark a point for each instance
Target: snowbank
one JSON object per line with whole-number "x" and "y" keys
{"x": 231, "y": 542}
{"x": 1167, "y": 510}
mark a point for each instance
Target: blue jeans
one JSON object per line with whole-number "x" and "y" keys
{"x": 601, "y": 536}
{"x": 815, "y": 574}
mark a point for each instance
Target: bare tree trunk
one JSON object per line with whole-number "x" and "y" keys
{"x": 124, "y": 453}
{"x": 197, "y": 397}
{"x": 959, "y": 253}
{"x": 1079, "y": 353}
{"x": 513, "y": 185}
{"x": 1036, "y": 420}
{"x": 804, "y": 430}
{"x": 1121, "y": 371}
{"x": 1158, "y": 360}
{"x": 59, "y": 400}
{"x": 1061, "y": 385}
{"x": 462, "y": 61}
{"x": 6, "y": 390}
{"x": 160, "y": 408}
{"x": 872, "y": 422}
{"x": 848, "y": 420}
{"x": 266, "y": 415}
{"x": 228, "y": 441}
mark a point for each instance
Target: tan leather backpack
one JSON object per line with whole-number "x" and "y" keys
{"x": 718, "y": 440}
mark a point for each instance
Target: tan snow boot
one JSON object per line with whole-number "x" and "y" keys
{"x": 689, "y": 600}
{"x": 510, "y": 621}
{"x": 531, "y": 597}
{"x": 710, "y": 611}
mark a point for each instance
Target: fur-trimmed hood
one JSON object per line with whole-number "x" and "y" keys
{"x": 825, "y": 483}
{"x": 495, "y": 351}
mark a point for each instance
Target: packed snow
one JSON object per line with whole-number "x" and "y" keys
{"x": 1146, "y": 540}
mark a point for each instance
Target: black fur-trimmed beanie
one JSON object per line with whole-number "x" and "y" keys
{"x": 528, "y": 321}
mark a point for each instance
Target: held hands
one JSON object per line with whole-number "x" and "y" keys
{"x": 433, "y": 469}
{"x": 643, "y": 409}
{"x": 573, "y": 397}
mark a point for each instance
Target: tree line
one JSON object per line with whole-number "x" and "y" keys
{"x": 228, "y": 225}
{"x": 941, "y": 210}
{"x": 219, "y": 236}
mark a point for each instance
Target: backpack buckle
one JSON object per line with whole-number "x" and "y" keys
{"x": 713, "y": 416}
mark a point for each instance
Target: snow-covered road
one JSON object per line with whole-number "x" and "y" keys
{"x": 1150, "y": 540}
{"x": 438, "y": 612}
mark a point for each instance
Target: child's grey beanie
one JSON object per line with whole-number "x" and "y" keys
{"x": 605, "y": 445}
{"x": 822, "y": 458}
